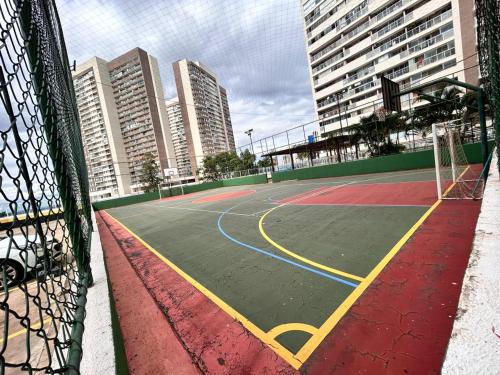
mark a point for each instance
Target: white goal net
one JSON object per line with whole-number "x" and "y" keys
{"x": 455, "y": 178}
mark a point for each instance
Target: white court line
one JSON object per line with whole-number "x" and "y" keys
{"x": 386, "y": 175}
{"x": 264, "y": 190}
{"x": 200, "y": 210}
{"x": 356, "y": 205}
{"x": 361, "y": 181}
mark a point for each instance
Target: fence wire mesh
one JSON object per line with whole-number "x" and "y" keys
{"x": 488, "y": 23}
{"x": 45, "y": 211}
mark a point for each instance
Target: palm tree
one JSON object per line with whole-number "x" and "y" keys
{"x": 442, "y": 105}
{"x": 376, "y": 134}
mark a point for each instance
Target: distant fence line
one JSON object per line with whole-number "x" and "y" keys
{"x": 395, "y": 162}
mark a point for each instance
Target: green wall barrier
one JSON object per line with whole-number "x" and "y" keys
{"x": 390, "y": 163}
{"x": 125, "y": 201}
{"x": 176, "y": 190}
{"x": 246, "y": 180}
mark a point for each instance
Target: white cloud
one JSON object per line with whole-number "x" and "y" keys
{"x": 256, "y": 48}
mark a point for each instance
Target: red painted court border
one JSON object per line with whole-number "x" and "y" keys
{"x": 180, "y": 197}
{"x": 408, "y": 193}
{"x": 144, "y": 327}
{"x": 224, "y": 196}
{"x": 215, "y": 342}
{"x": 345, "y": 351}
{"x": 403, "y": 321}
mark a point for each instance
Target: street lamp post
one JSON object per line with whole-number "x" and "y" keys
{"x": 249, "y": 133}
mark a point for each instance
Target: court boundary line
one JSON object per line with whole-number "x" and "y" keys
{"x": 233, "y": 313}
{"x": 340, "y": 311}
{"x": 352, "y": 205}
{"x": 298, "y": 359}
{"x": 311, "y": 345}
{"x": 278, "y": 257}
{"x": 234, "y": 192}
{"x": 295, "y": 255}
{"x": 199, "y": 210}
{"x": 320, "y": 191}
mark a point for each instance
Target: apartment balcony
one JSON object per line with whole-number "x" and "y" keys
{"x": 392, "y": 26}
{"x": 331, "y": 61}
{"x": 376, "y": 19}
{"x": 341, "y": 19}
{"x": 427, "y": 43}
{"x": 410, "y": 35}
{"x": 359, "y": 75}
{"x": 364, "y": 87}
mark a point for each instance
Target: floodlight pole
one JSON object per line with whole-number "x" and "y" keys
{"x": 249, "y": 133}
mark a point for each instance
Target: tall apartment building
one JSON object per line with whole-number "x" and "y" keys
{"x": 352, "y": 43}
{"x": 179, "y": 141}
{"x": 123, "y": 116}
{"x": 205, "y": 112}
{"x": 142, "y": 116}
{"x": 102, "y": 140}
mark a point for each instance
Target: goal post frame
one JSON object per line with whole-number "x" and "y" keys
{"x": 437, "y": 160}
{"x": 451, "y": 142}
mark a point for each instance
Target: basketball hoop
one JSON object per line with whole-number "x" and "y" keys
{"x": 380, "y": 113}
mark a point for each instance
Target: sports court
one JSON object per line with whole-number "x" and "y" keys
{"x": 286, "y": 260}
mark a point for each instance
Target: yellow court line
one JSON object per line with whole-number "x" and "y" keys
{"x": 447, "y": 191}
{"x": 295, "y": 255}
{"x": 319, "y": 335}
{"x": 20, "y": 217}
{"x": 260, "y": 334}
{"x": 287, "y": 327}
{"x": 16, "y": 288}
{"x": 20, "y": 332}
{"x": 332, "y": 321}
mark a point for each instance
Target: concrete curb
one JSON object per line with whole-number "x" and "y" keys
{"x": 475, "y": 340}
{"x": 98, "y": 345}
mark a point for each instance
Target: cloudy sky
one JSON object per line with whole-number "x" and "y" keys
{"x": 256, "y": 47}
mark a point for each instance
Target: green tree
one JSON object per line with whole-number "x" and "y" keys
{"x": 247, "y": 160}
{"x": 442, "y": 105}
{"x": 265, "y": 162}
{"x": 376, "y": 134}
{"x": 210, "y": 171}
{"x": 150, "y": 173}
{"x": 303, "y": 155}
{"x": 214, "y": 166}
{"x": 228, "y": 161}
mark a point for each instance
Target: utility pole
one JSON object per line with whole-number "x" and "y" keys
{"x": 340, "y": 120}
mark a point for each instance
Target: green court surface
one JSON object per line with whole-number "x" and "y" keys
{"x": 292, "y": 274}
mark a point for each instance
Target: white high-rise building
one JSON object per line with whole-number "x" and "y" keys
{"x": 352, "y": 43}
{"x": 123, "y": 117}
{"x": 179, "y": 141}
{"x": 102, "y": 140}
{"x": 205, "y": 112}
{"x": 138, "y": 93}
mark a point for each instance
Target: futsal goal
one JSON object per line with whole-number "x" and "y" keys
{"x": 455, "y": 178}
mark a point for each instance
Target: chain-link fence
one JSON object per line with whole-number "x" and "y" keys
{"x": 488, "y": 24}
{"x": 44, "y": 204}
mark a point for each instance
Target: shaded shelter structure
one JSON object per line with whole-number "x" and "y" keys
{"x": 332, "y": 143}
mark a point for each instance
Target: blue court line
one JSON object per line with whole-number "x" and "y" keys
{"x": 277, "y": 257}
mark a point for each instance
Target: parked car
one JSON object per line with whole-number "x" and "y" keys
{"x": 23, "y": 252}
